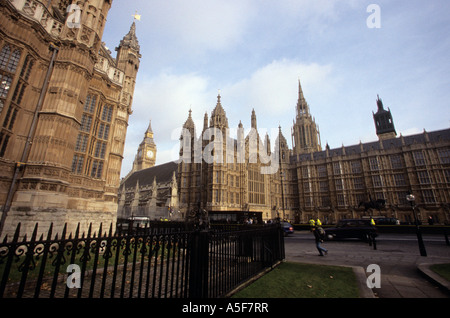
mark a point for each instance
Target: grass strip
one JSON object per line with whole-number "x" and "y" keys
{"x": 442, "y": 269}
{"x": 296, "y": 280}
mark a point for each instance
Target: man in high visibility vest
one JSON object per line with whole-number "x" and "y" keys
{"x": 312, "y": 223}
{"x": 318, "y": 223}
{"x": 372, "y": 222}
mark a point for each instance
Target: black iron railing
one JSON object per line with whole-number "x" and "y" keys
{"x": 156, "y": 262}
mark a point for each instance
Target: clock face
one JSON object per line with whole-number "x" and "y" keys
{"x": 150, "y": 154}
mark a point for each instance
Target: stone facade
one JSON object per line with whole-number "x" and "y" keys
{"x": 243, "y": 180}
{"x": 150, "y": 192}
{"x": 333, "y": 182}
{"x": 64, "y": 108}
{"x": 329, "y": 184}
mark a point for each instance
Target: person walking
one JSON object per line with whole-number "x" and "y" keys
{"x": 319, "y": 235}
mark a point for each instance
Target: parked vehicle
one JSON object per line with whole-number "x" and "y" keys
{"x": 134, "y": 224}
{"x": 387, "y": 221}
{"x": 287, "y": 228}
{"x": 352, "y": 228}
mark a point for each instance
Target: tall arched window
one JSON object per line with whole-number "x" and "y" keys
{"x": 4, "y": 56}
{"x": 13, "y": 61}
{"x": 9, "y": 61}
{"x": 9, "y": 58}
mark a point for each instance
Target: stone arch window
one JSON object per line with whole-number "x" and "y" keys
{"x": 9, "y": 59}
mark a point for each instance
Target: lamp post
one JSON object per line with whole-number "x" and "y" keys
{"x": 411, "y": 199}
{"x": 281, "y": 170}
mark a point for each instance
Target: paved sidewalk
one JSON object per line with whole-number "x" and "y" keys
{"x": 399, "y": 261}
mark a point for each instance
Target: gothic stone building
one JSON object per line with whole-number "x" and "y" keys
{"x": 64, "y": 108}
{"x": 148, "y": 190}
{"x": 245, "y": 180}
{"x": 311, "y": 182}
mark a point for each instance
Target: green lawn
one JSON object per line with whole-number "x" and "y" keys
{"x": 442, "y": 269}
{"x": 295, "y": 280}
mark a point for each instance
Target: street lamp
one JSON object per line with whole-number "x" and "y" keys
{"x": 411, "y": 199}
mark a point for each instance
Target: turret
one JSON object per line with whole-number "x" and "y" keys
{"x": 128, "y": 59}
{"x": 84, "y": 21}
{"x": 128, "y": 53}
{"x": 253, "y": 120}
{"x": 384, "y": 124}
{"x": 218, "y": 116}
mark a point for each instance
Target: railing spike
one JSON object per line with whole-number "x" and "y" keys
{"x": 50, "y": 230}
{"x": 33, "y": 236}
{"x": 63, "y": 235}
{"x": 100, "y": 230}
{"x": 110, "y": 229}
{"x": 77, "y": 231}
{"x": 89, "y": 230}
{"x": 17, "y": 233}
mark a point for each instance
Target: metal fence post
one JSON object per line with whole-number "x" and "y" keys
{"x": 198, "y": 264}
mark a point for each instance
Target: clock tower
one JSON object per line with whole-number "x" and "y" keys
{"x": 146, "y": 154}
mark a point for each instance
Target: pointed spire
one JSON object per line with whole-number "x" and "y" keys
{"x": 379, "y": 103}
{"x": 205, "y": 121}
{"x": 281, "y": 140}
{"x": 218, "y": 115}
{"x": 253, "y": 119}
{"x": 149, "y": 129}
{"x": 148, "y": 136}
{"x": 267, "y": 144}
{"x": 218, "y": 108}
{"x": 189, "y": 123}
{"x": 300, "y": 90}
{"x": 130, "y": 39}
{"x": 306, "y": 135}
{"x": 302, "y": 105}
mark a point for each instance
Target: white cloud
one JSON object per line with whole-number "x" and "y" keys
{"x": 166, "y": 98}
{"x": 312, "y": 16}
{"x": 199, "y": 24}
{"x": 271, "y": 90}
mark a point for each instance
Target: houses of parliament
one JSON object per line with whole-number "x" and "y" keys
{"x": 226, "y": 176}
{"x": 65, "y": 103}
{"x": 64, "y": 108}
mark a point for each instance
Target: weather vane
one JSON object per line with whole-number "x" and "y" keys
{"x": 136, "y": 16}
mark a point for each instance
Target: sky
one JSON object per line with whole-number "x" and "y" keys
{"x": 344, "y": 52}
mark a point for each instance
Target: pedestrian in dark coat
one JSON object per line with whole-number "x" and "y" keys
{"x": 319, "y": 235}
